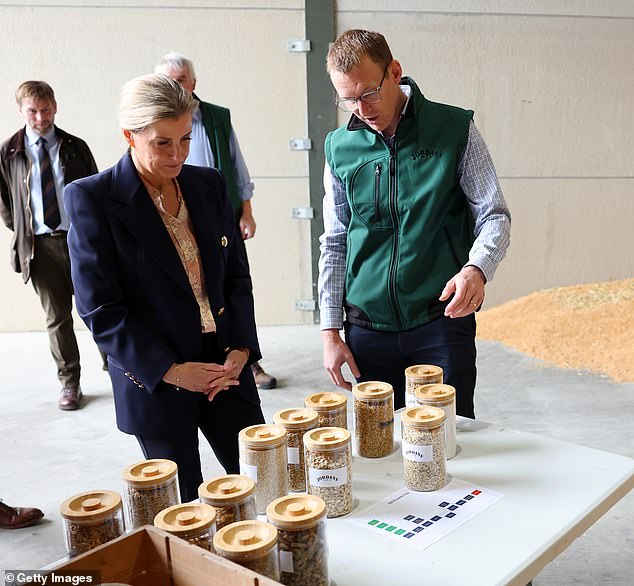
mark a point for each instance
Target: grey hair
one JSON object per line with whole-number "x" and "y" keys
{"x": 175, "y": 61}
{"x": 150, "y": 98}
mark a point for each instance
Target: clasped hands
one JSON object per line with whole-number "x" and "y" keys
{"x": 208, "y": 377}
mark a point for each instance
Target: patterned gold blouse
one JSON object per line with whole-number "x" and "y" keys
{"x": 180, "y": 230}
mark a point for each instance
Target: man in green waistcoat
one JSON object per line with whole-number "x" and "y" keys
{"x": 415, "y": 225}
{"x": 214, "y": 144}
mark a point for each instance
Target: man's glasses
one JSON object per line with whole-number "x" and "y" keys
{"x": 371, "y": 97}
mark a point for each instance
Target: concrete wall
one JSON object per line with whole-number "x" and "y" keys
{"x": 551, "y": 84}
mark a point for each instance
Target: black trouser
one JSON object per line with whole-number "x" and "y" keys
{"x": 219, "y": 420}
{"x": 50, "y": 275}
{"x": 445, "y": 342}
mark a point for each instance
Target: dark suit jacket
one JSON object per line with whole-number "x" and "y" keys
{"x": 133, "y": 293}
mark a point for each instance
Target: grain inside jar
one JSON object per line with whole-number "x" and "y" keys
{"x": 373, "y": 419}
{"x": 329, "y": 468}
{"x": 423, "y": 444}
{"x": 193, "y": 522}
{"x": 149, "y": 487}
{"x": 420, "y": 374}
{"x": 303, "y": 550}
{"x": 233, "y": 497}
{"x": 331, "y": 407}
{"x": 91, "y": 519}
{"x": 252, "y": 544}
{"x": 444, "y": 397}
{"x": 263, "y": 459}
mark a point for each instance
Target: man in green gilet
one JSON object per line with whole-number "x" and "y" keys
{"x": 214, "y": 144}
{"x": 415, "y": 225}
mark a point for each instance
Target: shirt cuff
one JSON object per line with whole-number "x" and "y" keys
{"x": 331, "y": 318}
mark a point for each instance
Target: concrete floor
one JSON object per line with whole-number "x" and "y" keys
{"x": 48, "y": 455}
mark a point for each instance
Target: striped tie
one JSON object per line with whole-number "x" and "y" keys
{"x": 49, "y": 195}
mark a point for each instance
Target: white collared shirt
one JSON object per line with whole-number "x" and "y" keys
{"x": 35, "y": 183}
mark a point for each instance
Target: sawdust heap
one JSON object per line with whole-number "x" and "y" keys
{"x": 584, "y": 327}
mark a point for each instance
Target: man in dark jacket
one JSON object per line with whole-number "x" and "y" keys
{"x": 35, "y": 165}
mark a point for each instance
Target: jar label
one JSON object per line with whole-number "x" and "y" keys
{"x": 293, "y": 455}
{"x": 410, "y": 400}
{"x": 249, "y": 470}
{"x": 286, "y": 562}
{"x": 328, "y": 478}
{"x": 416, "y": 453}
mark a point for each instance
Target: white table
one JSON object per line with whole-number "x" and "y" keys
{"x": 554, "y": 492}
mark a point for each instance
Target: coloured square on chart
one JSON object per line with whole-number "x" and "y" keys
{"x": 373, "y": 522}
{"x": 409, "y": 517}
{"x": 476, "y": 492}
{"x": 461, "y": 502}
{"x": 399, "y": 532}
{"x": 436, "y": 518}
{"x": 452, "y": 507}
{"x": 450, "y": 515}
{"x": 468, "y": 497}
{"x": 390, "y": 528}
{"x": 418, "y": 529}
{"x": 409, "y": 535}
{"x": 444, "y": 504}
{"x": 382, "y": 525}
{"x": 418, "y": 520}
{"x": 427, "y": 523}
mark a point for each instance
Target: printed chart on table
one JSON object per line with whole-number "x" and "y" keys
{"x": 421, "y": 518}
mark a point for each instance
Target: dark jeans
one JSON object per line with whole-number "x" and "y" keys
{"x": 50, "y": 275}
{"x": 220, "y": 421}
{"x": 448, "y": 343}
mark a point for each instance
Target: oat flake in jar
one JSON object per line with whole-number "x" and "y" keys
{"x": 373, "y": 419}
{"x": 296, "y": 422}
{"x": 252, "y": 544}
{"x": 331, "y": 409}
{"x": 301, "y": 538}
{"x": 443, "y": 396}
{"x": 328, "y": 457}
{"x": 423, "y": 443}
{"x": 91, "y": 519}
{"x": 420, "y": 374}
{"x": 263, "y": 459}
{"x": 193, "y": 522}
{"x": 149, "y": 487}
{"x": 233, "y": 497}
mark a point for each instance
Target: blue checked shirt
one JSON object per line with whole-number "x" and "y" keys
{"x": 492, "y": 226}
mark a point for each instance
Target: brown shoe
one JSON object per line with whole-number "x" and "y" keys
{"x": 262, "y": 379}
{"x": 70, "y": 399}
{"x": 17, "y": 517}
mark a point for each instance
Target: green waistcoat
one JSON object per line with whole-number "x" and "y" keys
{"x": 411, "y": 228}
{"x": 217, "y": 123}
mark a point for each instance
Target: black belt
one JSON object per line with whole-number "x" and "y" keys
{"x": 54, "y": 234}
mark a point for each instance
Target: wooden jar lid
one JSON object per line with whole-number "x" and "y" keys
{"x": 245, "y": 540}
{"x": 296, "y": 419}
{"x": 326, "y": 438}
{"x": 424, "y": 417}
{"x": 262, "y": 436}
{"x": 296, "y": 511}
{"x": 325, "y": 401}
{"x": 437, "y": 393}
{"x": 424, "y": 373}
{"x": 149, "y": 473}
{"x": 230, "y": 489}
{"x": 186, "y": 519}
{"x": 91, "y": 506}
{"x": 370, "y": 390}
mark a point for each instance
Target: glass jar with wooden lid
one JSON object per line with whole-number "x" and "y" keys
{"x": 149, "y": 487}
{"x": 423, "y": 443}
{"x": 252, "y": 544}
{"x": 193, "y": 522}
{"x": 301, "y": 536}
{"x": 444, "y": 397}
{"x": 296, "y": 422}
{"x": 373, "y": 419}
{"x": 328, "y": 457}
{"x": 91, "y": 519}
{"x": 420, "y": 374}
{"x": 331, "y": 407}
{"x": 233, "y": 497}
{"x": 263, "y": 459}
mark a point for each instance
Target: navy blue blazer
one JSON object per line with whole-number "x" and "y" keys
{"x": 133, "y": 293}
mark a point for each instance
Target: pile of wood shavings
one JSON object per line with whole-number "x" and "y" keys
{"x": 584, "y": 327}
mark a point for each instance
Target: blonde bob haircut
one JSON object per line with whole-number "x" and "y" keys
{"x": 150, "y": 98}
{"x": 351, "y": 47}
